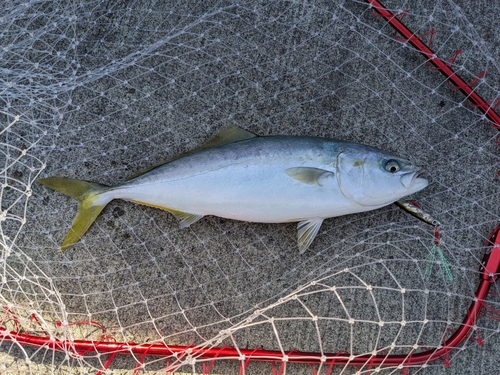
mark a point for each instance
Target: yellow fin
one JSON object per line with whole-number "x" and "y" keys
{"x": 87, "y": 194}
{"x": 229, "y": 135}
{"x": 186, "y": 218}
{"x": 84, "y": 218}
{"x": 68, "y": 186}
{"x": 309, "y": 175}
{"x": 307, "y": 231}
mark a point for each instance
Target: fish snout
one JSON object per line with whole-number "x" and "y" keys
{"x": 409, "y": 179}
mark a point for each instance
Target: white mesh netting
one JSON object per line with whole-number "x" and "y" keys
{"x": 99, "y": 90}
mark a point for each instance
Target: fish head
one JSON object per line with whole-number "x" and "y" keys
{"x": 372, "y": 177}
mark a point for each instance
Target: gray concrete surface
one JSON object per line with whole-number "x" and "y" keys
{"x": 123, "y": 86}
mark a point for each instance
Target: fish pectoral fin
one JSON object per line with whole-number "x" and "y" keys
{"x": 186, "y": 219}
{"x": 311, "y": 176}
{"x": 307, "y": 231}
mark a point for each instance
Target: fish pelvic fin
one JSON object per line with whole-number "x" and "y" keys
{"x": 307, "y": 231}
{"x": 91, "y": 201}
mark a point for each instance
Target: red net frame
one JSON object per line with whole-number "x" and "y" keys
{"x": 489, "y": 274}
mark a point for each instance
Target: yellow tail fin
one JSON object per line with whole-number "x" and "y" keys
{"x": 90, "y": 204}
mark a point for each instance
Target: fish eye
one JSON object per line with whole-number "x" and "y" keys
{"x": 392, "y": 166}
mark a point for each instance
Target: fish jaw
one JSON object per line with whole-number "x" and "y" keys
{"x": 414, "y": 182}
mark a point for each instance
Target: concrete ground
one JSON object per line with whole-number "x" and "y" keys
{"x": 106, "y": 89}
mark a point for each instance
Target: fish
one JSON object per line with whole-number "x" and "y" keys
{"x": 239, "y": 175}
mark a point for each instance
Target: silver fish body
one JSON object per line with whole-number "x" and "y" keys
{"x": 271, "y": 179}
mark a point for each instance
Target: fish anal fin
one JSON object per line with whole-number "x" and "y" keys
{"x": 229, "y": 135}
{"x": 307, "y": 231}
{"x": 310, "y": 175}
{"x": 186, "y": 218}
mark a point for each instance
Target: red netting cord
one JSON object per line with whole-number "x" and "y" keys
{"x": 10, "y": 314}
{"x": 494, "y": 315}
{"x": 477, "y": 339}
{"x": 330, "y": 367}
{"x": 444, "y": 67}
{"x": 436, "y": 236}
{"x": 106, "y": 364}
{"x": 168, "y": 371}
{"x": 446, "y": 358}
{"x": 281, "y": 369}
{"x": 37, "y": 321}
{"x": 406, "y": 370}
{"x": 206, "y": 370}
{"x": 471, "y": 84}
{"x": 490, "y": 270}
{"x": 450, "y": 62}
{"x": 138, "y": 365}
{"x": 244, "y": 363}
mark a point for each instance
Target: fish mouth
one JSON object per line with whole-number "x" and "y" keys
{"x": 411, "y": 178}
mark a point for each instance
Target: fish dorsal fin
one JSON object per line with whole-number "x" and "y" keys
{"x": 229, "y": 135}
{"x": 311, "y": 176}
{"x": 307, "y": 231}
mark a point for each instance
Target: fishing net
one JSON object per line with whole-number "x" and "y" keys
{"x": 100, "y": 90}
